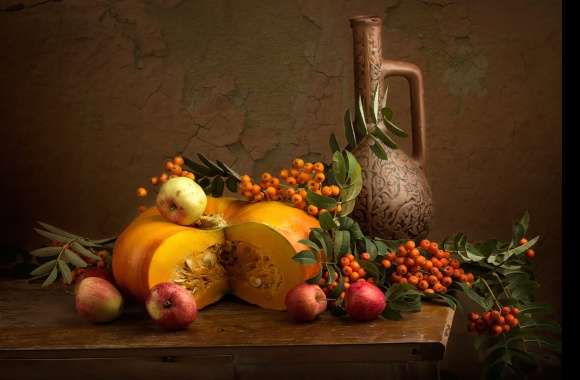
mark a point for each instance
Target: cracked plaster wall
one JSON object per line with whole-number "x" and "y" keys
{"x": 94, "y": 95}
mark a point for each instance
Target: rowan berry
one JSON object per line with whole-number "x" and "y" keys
{"x": 178, "y": 160}
{"x": 298, "y": 163}
{"x": 313, "y": 210}
{"x": 319, "y": 177}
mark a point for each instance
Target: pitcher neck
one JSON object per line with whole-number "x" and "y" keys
{"x": 368, "y": 57}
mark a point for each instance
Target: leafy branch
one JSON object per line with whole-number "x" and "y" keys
{"x": 65, "y": 249}
{"x": 505, "y": 277}
{"x": 357, "y": 130}
{"x": 213, "y": 176}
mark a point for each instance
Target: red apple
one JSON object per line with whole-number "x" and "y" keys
{"x": 305, "y": 302}
{"x": 92, "y": 272}
{"x": 97, "y": 300}
{"x": 364, "y": 301}
{"x": 171, "y": 306}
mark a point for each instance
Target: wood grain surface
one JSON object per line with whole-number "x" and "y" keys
{"x": 39, "y": 329}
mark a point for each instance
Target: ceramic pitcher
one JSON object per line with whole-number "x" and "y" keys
{"x": 395, "y": 201}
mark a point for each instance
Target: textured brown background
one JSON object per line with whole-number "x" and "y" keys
{"x": 94, "y": 94}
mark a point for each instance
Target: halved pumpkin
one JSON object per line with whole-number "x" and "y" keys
{"x": 239, "y": 247}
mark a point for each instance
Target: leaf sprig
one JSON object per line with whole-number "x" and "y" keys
{"x": 213, "y": 176}
{"x": 66, "y": 249}
{"x": 357, "y": 130}
{"x": 505, "y": 277}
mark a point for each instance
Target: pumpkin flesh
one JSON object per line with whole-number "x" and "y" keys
{"x": 263, "y": 270}
{"x": 190, "y": 258}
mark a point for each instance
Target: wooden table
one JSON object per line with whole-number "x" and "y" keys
{"x": 41, "y": 337}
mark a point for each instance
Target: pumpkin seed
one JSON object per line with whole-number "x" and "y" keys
{"x": 255, "y": 282}
{"x": 209, "y": 259}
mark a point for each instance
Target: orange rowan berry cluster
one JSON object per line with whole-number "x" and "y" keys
{"x": 494, "y": 322}
{"x": 432, "y": 273}
{"x": 173, "y": 168}
{"x": 351, "y": 270}
{"x": 530, "y": 253}
{"x": 291, "y": 185}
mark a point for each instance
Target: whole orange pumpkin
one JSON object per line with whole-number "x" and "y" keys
{"x": 239, "y": 247}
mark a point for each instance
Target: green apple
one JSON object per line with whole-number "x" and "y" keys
{"x": 181, "y": 200}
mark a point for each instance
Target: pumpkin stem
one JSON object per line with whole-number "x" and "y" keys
{"x": 209, "y": 222}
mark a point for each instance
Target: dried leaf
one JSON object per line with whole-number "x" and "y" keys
{"x": 74, "y": 259}
{"x": 65, "y": 271}
{"x": 52, "y": 236}
{"x": 44, "y": 268}
{"x": 58, "y": 231}
{"x": 105, "y": 240}
{"x": 78, "y": 248}
{"x": 51, "y": 277}
{"x": 46, "y": 251}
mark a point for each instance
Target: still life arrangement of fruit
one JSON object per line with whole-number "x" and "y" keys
{"x": 285, "y": 241}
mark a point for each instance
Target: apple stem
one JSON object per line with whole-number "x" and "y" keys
{"x": 167, "y": 304}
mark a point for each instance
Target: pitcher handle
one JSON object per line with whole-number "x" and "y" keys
{"x": 414, "y": 77}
